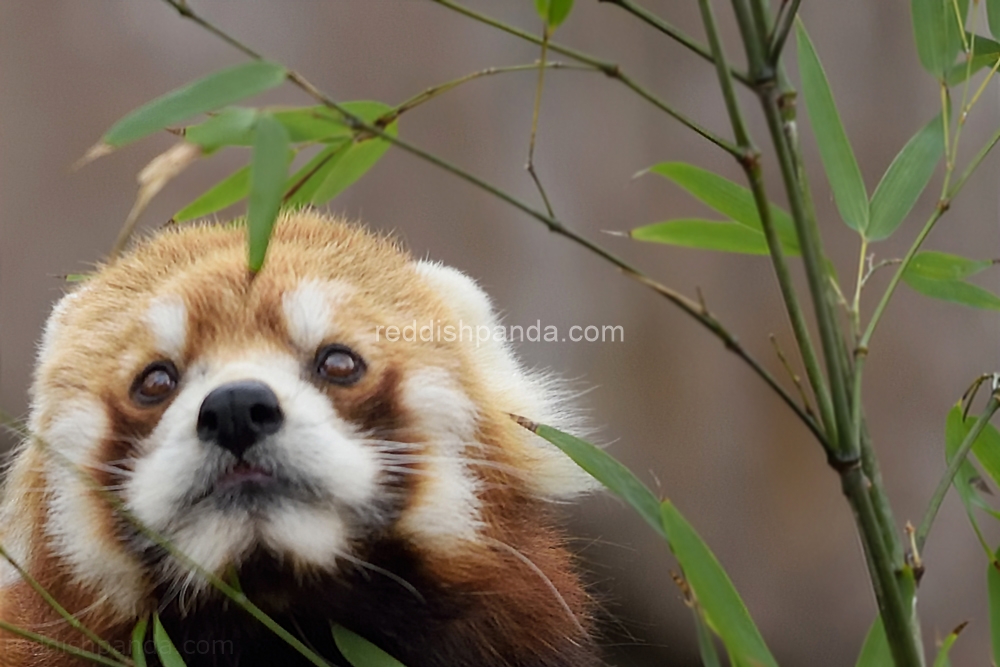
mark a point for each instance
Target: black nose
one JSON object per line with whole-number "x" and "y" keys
{"x": 236, "y": 415}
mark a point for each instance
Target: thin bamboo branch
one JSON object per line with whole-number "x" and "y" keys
{"x": 809, "y": 238}
{"x": 536, "y": 110}
{"x": 675, "y": 33}
{"x": 752, "y": 169}
{"x": 785, "y": 21}
{"x": 430, "y": 93}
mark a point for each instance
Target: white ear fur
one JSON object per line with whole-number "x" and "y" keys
{"x": 532, "y": 394}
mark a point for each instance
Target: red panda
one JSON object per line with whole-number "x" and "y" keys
{"x": 267, "y": 425}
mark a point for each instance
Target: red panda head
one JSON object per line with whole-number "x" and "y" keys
{"x": 236, "y": 415}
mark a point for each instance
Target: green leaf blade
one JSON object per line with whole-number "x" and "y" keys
{"x": 165, "y": 649}
{"x": 905, "y": 179}
{"x": 304, "y": 183}
{"x": 985, "y": 53}
{"x": 993, "y": 18}
{"x": 209, "y": 93}
{"x": 704, "y": 235}
{"x": 954, "y": 291}
{"x": 937, "y": 33}
{"x": 941, "y": 276}
{"x": 315, "y": 123}
{"x": 553, "y": 12}
{"x": 359, "y": 651}
{"x": 268, "y": 173}
{"x": 728, "y": 198}
{"x": 608, "y": 471}
{"x": 223, "y": 194}
{"x": 230, "y": 127}
{"x": 350, "y": 165}
{"x": 943, "y": 658}
{"x": 835, "y": 150}
{"x": 138, "y": 640}
{"x": 724, "y": 610}
{"x": 944, "y": 266}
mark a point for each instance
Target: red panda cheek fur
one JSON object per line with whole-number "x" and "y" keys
{"x": 444, "y": 546}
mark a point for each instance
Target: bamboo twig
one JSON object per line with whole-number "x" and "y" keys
{"x": 752, "y": 169}
{"x": 675, "y": 33}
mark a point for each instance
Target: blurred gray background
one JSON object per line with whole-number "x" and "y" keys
{"x": 680, "y": 410}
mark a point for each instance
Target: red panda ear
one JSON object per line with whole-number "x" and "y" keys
{"x": 534, "y": 394}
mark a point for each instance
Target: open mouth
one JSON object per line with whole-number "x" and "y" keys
{"x": 244, "y": 475}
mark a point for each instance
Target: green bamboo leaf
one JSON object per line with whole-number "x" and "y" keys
{"x": 724, "y": 610}
{"x": 229, "y": 127}
{"x": 225, "y": 193}
{"x": 985, "y": 53}
{"x": 728, "y": 198}
{"x": 360, "y": 652}
{"x": 212, "y": 92}
{"x": 268, "y": 172}
{"x": 323, "y": 124}
{"x": 834, "y": 149}
{"x": 966, "y": 480}
{"x": 944, "y": 266}
{"x": 993, "y": 17}
{"x": 942, "y": 659}
{"x": 316, "y": 123}
{"x": 875, "y": 651}
{"x": 993, "y": 591}
{"x": 954, "y": 291}
{"x": 941, "y": 276}
{"x": 986, "y": 449}
{"x": 165, "y": 649}
{"x": 606, "y": 470}
{"x": 938, "y": 33}
{"x": 351, "y": 164}
{"x": 138, "y": 641}
{"x": 706, "y": 643}
{"x": 306, "y": 180}
{"x": 553, "y": 12}
{"x": 77, "y": 277}
{"x": 905, "y": 180}
{"x": 704, "y": 234}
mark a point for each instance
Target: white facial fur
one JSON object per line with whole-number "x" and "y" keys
{"x": 167, "y": 320}
{"x": 315, "y": 448}
{"x": 447, "y": 508}
{"x": 308, "y": 309}
{"x": 74, "y": 511}
{"x": 531, "y": 394}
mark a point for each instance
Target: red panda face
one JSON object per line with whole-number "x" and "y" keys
{"x": 234, "y": 414}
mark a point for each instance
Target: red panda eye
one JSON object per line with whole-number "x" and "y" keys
{"x": 340, "y": 365}
{"x": 155, "y": 384}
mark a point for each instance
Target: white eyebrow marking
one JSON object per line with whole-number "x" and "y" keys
{"x": 308, "y": 310}
{"x": 167, "y": 319}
